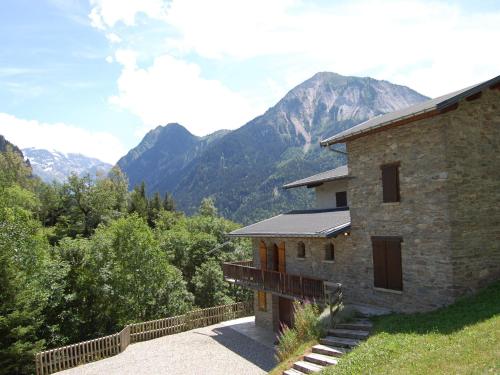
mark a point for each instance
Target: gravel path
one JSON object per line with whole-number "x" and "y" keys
{"x": 224, "y": 348}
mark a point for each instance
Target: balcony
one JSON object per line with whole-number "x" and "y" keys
{"x": 299, "y": 287}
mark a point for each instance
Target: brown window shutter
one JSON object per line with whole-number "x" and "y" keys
{"x": 263, "y": 256}
{"x": 379, "y": 263}
{"x": 394, "y": 269}
{"x": 281, "y": 258}
{"x": 390, "y": 183}
{"x": 262, "y": 300}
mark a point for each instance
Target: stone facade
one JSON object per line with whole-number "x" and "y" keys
{"x": 473, "y": 161}
{"x": 448, "y": 215}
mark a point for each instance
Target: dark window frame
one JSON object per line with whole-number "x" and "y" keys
{"x": 342, "y": 197}
{"x": 329, "y": 252}
{"x": 301, "y": 250}
{"x": 391, "y": 189}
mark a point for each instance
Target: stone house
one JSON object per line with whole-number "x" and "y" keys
{"x": 410, "y": 224}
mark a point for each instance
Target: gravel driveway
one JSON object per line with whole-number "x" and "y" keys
{"x": 232, "y": 347}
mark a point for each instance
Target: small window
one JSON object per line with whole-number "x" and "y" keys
{"x": 329, "y": 252}
{"x": 261, "y": 296}
{"x": 387, "y": 268}
{"x": 341, "y": 198}
{"x": 301, "y": 250}
{"x": 390, "y": 183}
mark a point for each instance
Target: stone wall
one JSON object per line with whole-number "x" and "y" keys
{"x": 420, "y": 218}
{"x": 473, "y": 158}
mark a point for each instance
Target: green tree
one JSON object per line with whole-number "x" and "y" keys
{"x": 168, "y": 202}
{"x": 209, "y": 285}
{"x": 154, "y": 208}
{"x": 138, "y": 201}
{"x": 28, "y": 278}
{"x": 131, "y": 277}
{"x": 207, "y": 207}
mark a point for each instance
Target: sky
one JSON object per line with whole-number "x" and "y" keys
{"x": 93, "y": 76}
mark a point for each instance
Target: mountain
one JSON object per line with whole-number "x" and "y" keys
{"x": 164, "y": 151}
{"x": 5, "y": 144}
{"x": 57, "y": 166}
{"x": 244, "y": 169}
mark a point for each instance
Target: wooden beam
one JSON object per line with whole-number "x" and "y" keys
{"x": 495, "y": 86}
{"x": 475, "y": 96}
{"x": 449, "y": 109}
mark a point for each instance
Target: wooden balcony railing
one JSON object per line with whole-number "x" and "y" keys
{"x": 300, "y": 287}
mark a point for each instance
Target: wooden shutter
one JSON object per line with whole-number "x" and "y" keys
{"x": 281, "y": 258}
{"x": 390, "y": 183}
{"x": 341, "y": 198}
{"x": 394, "y": 271}
{"x": 261, "y": 299}
{"x": 263, "y": 256}
{"x": 379, "y": 266}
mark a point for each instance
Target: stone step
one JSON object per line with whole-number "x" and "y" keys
{"x": 329, "y": 350}
{"x": 339, "y": 341}
{"x": 307, "y": 367}
{"x": 292, "y": 371}
{"x": 360, "y": 325}
{"x": 320, "y": 359}
{"x": 349, "y": 333}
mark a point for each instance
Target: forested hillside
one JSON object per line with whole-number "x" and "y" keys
{"x": 83, "y": 258}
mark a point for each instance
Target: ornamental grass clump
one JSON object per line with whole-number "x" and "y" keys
{"x": 306, "y": 327}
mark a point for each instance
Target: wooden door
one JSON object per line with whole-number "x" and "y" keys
{"x": 285, "y": 307}
{"x": 263, "y": 255}
{"x": 281, "y": 258}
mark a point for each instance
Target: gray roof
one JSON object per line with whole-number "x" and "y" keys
{"x": 436, "y": 106}
{"x": 318, "y": 179}
{"x": 307, "y": 223}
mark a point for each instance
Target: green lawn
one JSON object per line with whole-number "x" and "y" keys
{"x": 463, "y": 338}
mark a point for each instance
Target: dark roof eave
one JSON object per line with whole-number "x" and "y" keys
{"x": 324, "y": 234}
{"x": 316, "y": 183}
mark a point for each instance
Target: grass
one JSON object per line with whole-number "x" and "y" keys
{"x": 296, "y": 355}
{"x": 463, "y": 338}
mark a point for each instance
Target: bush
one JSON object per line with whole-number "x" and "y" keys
{"x": 307, "y": 326}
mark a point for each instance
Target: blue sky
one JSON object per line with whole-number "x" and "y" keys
{"x": 93, "y": 76}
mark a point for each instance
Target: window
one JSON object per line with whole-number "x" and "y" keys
{"x": 390, "y": 182}
{"x": 341, "y": 198}
{"x": 301, "y": 250}
{"x": 387, "y": 270}
{"x": 329, "y": 252}
{"x": 261, "y": 297}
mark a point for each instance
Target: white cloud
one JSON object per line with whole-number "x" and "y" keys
{"x": 113, "y": 38}
{"x": 432, "y": 46}
{"x": 172, "y": 90}
{"x": 61, "y": 137}
{"x": 107, "y": 13}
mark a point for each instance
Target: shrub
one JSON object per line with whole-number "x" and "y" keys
{"x": 307, "y": 327}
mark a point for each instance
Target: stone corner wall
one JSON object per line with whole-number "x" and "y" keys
{"x": 473, "y": 159}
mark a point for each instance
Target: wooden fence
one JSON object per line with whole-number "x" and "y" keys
{"x": 66, "y": 357}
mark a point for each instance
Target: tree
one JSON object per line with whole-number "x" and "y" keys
{"x": 138, "y": 201}
{"x": 168, "y": 202}
{"x": 207, "y": 207}
{"x": 28, "y": 279}
{"x": 131, "y": 277}
{"x": 154, "y": 208}
{"x": 209, "y": 285}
